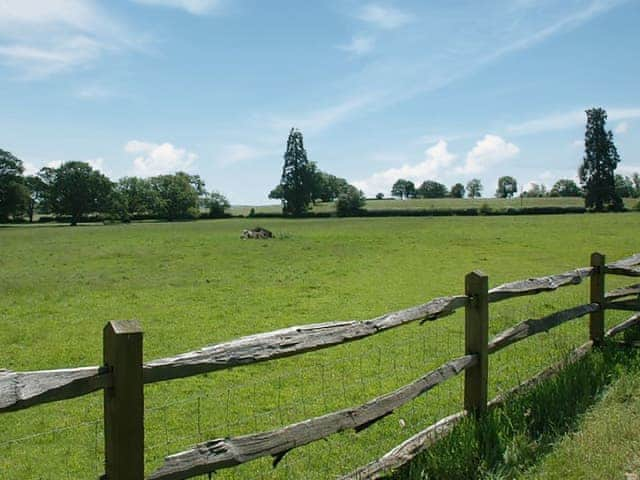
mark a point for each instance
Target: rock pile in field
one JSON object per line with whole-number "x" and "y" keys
{"x": 258, "y": 233}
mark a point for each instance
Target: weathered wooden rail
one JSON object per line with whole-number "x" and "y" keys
{"x": 123, "y": 374}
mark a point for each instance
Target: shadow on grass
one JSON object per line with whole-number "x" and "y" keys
{"x": 513, "y": 437}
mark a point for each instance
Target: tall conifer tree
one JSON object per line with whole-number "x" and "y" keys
{"x": 296, "y": 178}
{"x": 597, "y": 172}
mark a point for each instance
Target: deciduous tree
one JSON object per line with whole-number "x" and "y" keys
{"x": 457, "y": 190}
{"x": 507, "y": 187}
{"x": 474, "y": 188}
{"x": 76, "y": 189}
{"x": 565, "y": 188}
{"x": 432, "y": 189}
{"x": 14, "y": 195}
{"x": 403, "y": 189}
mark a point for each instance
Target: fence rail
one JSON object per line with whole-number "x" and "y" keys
{"x": 123, "y": 374}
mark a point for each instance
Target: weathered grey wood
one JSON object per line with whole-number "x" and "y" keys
{"x": 228, "y": 452}
{"x": 621, "y": 327}
{"x": 476, "y": 339}
{"x": 629, "y": 291}
{"x": 124, "y": 402}
{"x": 624, "y": 271}
{"x": 626, "y": 262}
{"x": 596, "y": 295}
{"x": 411, "y": 447}
{"x": 534, "y": 326}
{"x": 290, "y": 341}
{"x": 20, "y": 390}
{"x": 533, "y": 286}
{"x": 407, "y": 450}
{"x": 628, "y": 305}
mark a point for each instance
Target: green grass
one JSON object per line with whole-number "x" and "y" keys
{"x": 192, "y": 284}
{"x": 581, "y": 424}
{"x": 439, "y": 203}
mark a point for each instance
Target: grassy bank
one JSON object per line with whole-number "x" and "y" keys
{"x": 582, "y": 424}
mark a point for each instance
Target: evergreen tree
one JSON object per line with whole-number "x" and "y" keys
{"x": 597, "y": 172}
{"x": 297, "y": 177}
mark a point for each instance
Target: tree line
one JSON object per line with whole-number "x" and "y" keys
{"x": 600, "y": 186}
{"x": 75, "y": 189}
{"x": 625, "y": 187}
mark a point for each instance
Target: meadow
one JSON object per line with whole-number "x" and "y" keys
{"x": 196, "y": 283}
{"x": 439, "y": 203}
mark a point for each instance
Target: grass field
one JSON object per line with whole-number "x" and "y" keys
{"x": 192, "y": 284}
{"x": 440, "y": 203}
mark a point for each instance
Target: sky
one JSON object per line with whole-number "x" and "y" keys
{"x": 424, "y": 90}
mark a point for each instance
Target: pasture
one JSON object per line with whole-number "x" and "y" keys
{"x": 440, "y": 203}
{"x": 193, "y": 284}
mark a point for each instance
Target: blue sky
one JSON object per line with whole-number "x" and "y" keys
{"x": 445, "y": 90}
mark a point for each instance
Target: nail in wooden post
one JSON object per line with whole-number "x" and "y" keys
{"x": 124, "y": 402}
{"x": 596, "y": 319}
{"x": 476, "y": 328}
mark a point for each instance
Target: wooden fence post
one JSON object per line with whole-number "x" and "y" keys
{"x": 476, "y": 339}
{"x": 596, "y": 319}
{"x": 124, "y": 402}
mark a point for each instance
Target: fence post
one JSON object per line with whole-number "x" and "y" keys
{"x": 124, "y": 402}
{"x": 596, "y": 319}
{"x": 476, "y": 339}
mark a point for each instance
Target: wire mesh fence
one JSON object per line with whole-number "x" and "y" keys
{"x": 68, "y": 437}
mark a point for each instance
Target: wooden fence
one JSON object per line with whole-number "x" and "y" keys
{"x": 123, "y": 374}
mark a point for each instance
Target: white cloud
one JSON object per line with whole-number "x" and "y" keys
{"x": 488, "y": 151}
{"x": 359, "y": 45}
{"x": 158, "y": 159}
{"x": 30, "y": 168}
{"x": 195, "y": 7}
{"x": 622, "y": 128}
{"x": 40, "y": 38}
{"x": 387, "y": 18}
{"x": 437, "y": 159}
{"x": 98, "y": 164}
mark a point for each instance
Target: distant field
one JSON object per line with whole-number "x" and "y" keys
{"x": 438, "y": 203}
{"x": 196, "y": 283}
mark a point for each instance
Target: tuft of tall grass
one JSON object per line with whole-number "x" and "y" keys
{"x": 511, "y": 438}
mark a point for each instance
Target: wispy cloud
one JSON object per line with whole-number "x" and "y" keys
{"x": 315, "y": 121}
{"x": 39, "y": 38}
{"x": 237, "y": 153}
{"x": 158, "y": 158}
{"x": 194, "y": 7}
{"x": 359, "y": 45}
{"x": 384, "y": 17}
{"x": 571, "y": 119}
{"x": 622, "y": 128}
{"x": 94, "y": 92}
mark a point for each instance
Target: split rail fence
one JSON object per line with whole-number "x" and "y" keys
{"x": 123, "y": 375}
